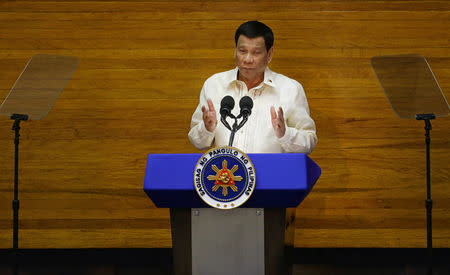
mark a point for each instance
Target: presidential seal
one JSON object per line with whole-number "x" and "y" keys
{"x": 224, "y": 177}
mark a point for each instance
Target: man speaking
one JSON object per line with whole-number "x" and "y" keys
{"x": 279, "y": 120}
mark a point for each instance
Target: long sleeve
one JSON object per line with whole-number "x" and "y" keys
{"x": 300, "y": 133}
{"x": 199, "y": 136}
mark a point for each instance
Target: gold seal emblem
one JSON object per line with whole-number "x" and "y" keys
{"x": 224, "y": 178}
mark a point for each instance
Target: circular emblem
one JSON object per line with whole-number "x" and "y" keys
{"x": 224, "y": 177}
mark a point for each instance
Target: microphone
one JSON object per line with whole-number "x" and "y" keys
{"x": 246, "y": 105}
{"x": 226, "y": 105}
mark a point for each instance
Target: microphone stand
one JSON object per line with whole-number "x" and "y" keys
{"x": 227, "y": 105}
{"x": 233, "y": 131}
{"x": 235, "y": 127}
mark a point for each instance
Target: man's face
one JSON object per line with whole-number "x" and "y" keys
{"x": 252, "y": 57}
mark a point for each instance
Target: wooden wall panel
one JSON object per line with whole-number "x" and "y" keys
{"x": 142, "y": 65}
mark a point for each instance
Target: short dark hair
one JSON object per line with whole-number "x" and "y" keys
{"x": 253, "y": 29}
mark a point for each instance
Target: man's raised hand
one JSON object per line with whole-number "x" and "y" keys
{"x": 278, "y": 122}
{"x": 209, "y": 116}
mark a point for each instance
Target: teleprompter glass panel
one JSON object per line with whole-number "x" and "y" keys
{"x": 39, "y": 85}
{"x": 410, "y": 85}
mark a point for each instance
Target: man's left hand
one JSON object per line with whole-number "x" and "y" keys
{"x": 278, "y": 122}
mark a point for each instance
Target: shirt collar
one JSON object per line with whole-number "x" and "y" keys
{"x": 269, "y": 77}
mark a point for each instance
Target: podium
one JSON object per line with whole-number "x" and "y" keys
{"x": 245, "y": 240}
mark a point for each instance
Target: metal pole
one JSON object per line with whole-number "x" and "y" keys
{"x": 15, "y": 203}
{"x": 429, "y": 202}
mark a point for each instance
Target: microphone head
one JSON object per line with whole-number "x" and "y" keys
{"x": 246, "y": 104}
{"x": 226, "y": 105}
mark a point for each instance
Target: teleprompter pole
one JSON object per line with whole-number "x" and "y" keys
{"x": 429, "y": 201}
{"x": 15, "y": 203}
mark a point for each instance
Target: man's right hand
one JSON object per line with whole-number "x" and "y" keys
{"x": 209, "y": 116}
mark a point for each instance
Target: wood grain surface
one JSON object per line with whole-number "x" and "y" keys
{"x": 142, "y": 65}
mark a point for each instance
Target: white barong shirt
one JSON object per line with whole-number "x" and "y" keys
{"x": 257, "y": 135}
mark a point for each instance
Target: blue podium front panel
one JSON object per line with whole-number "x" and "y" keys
{"x": 282, "y": 180}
